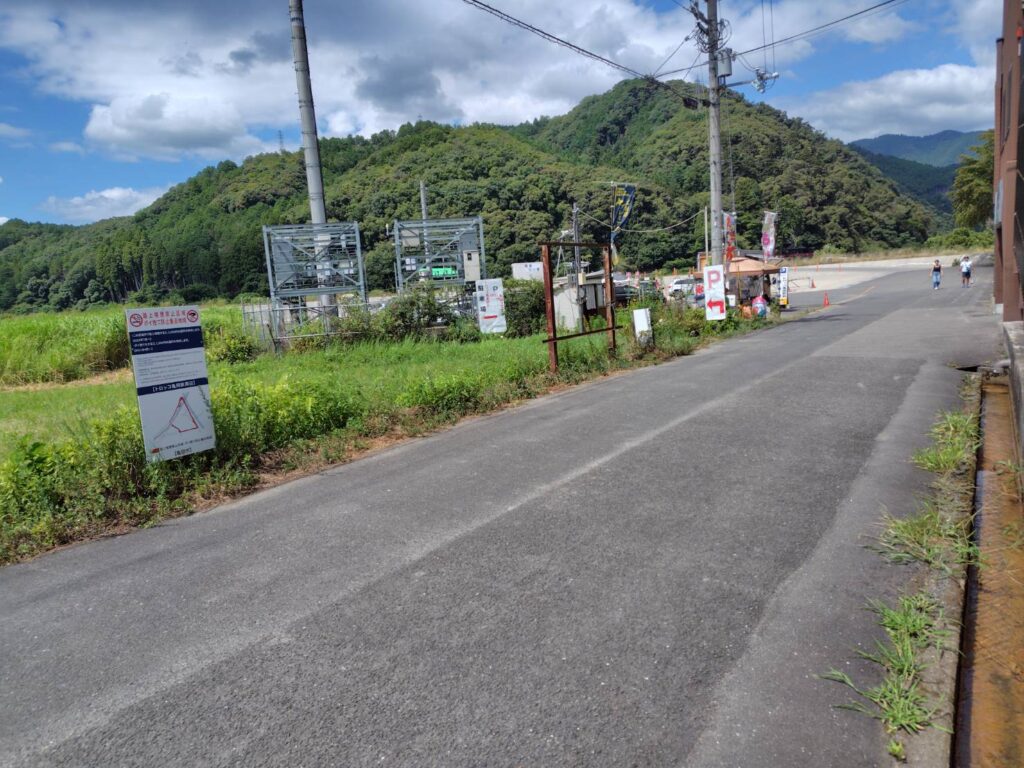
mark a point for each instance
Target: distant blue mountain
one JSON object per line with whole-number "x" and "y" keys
{"x": 939, "y": 149}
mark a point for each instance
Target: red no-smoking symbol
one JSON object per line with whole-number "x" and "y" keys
{"x": 135, "y": 319}
{"x": 192, "y": 315}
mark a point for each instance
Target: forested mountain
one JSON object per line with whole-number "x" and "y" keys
{"x": 939, "y": 149}
{"x": 928, "y": 183}
{"x": 203, "y": 238}
{"x": 825, "y": 193}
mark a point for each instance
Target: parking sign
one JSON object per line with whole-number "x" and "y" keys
{"x": 714, "y": 292}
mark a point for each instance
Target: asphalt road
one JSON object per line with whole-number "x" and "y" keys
{"x": 581, "y": 580}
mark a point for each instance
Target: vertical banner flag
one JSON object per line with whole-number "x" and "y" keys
{"x": 768, "y": 234}
{"x": 490, "y": 306}
{"x": 729, "y": 230}
{"x": 625, "y": 196}
{"x": 714, "y": 292}
{"x": 170, "y": 380}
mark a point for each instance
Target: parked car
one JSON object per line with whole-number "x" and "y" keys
{"x": 689, "y": 290}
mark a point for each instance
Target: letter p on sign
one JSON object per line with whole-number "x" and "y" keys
{"x": 714, "y": 292}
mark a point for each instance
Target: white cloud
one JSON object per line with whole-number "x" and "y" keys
{"x": 977, "y": 23}
{"x": 8, "y": 131}
{"x": 173, "y": 78}
{"x": 910, "y": 101}
{"x": 67, "y": 146}
{"x": 102, "y": 204}
{"x": 3, "y": 220}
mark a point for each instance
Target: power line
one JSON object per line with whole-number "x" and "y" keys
{"x": 805, "y": 33}
{"x": 643, "y": 231}
{"x": 688, "y": 101}
{"x": 822, "y": 27}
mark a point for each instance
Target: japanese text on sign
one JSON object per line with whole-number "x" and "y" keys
{"x": 170, "y": 381}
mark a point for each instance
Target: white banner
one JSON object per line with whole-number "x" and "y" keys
{"x": 768, "y": 235}
{"x": 171, "y": 381}
{"x": 784, "y": 286}
{"x": 490, "y": 306}
{"x": 714, "y": 292}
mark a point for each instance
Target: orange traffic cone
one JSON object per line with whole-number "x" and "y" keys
{"x": 825, "y": 302}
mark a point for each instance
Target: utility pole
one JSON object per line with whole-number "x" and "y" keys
{"x": 307, "y": 114}
{"x": 423, "y": 200}
{"x": 714, "y": 133}
{"x": 575, "y": 238}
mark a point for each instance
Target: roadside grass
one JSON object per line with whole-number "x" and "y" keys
{"x": 940, "y": 536}
{"x": 911, "y": 625}
{"x": 68, "y": 346}
{"x": 74, "y": 465}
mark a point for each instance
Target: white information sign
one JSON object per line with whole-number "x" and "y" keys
{"x": 714, "y": 292}
{"x": 642, "y": 326}
{"x": 784, "y": 286}
{"x": 171, "y": 381}
{"x": 490, "y": 306}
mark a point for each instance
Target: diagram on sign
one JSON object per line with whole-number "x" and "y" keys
{"x": 182, "y": 420}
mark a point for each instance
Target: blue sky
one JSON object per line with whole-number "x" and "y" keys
{"x": 104, "y": 104}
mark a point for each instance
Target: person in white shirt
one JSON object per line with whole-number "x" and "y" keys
{"x": 965, "y": 271}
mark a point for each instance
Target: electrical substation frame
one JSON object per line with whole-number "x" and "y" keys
{"x": 439, "y": 253}
{"x": 321, "y": 260}
{"x": 549, "y": 299}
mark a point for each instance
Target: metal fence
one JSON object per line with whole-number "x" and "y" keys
{"x": 279, "y": 327}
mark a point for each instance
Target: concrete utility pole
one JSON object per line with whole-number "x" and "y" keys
{"x": 307, "y": 115}
{"x": 423, "y": 200}
{"x": 714, "y": 134}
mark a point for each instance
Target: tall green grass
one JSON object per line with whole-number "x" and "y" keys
{"x": 83, "y": 473}
{"x": 69, "y": 346}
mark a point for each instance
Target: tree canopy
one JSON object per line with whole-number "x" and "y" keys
{"x": 972, "y": 187}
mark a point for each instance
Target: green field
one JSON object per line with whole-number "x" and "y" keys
{"x": 380, "y": 372}
{"x": 68, "y": 346}
{"x": 72, "y": 462}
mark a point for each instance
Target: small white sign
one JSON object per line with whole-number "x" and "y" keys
{"x": 490, "y": 306}
{"x": 714, "y": 292}
{"x": 784, "y": 286}
{"x": 171, "y": 381}
{"x": 642, "y": 326}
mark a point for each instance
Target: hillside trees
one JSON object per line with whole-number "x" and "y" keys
{"x": 204, "y": 235}
{"x": 972, "y": 187}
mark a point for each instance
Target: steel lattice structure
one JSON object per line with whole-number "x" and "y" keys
{"x": 439, "y": 252}
{"x": 306, "y": 260}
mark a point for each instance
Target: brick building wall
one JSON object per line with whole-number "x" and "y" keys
{"x": 1008, "y": 183}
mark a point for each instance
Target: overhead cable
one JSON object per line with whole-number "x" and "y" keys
{"x": 689, "y": 101}
{"x": 806, "y": 32}
{"x": 643, "y": 231}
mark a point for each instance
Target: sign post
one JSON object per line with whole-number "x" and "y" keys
{"x": 171, "y": 381}
{"x": 490, "y": 306}
{"x": 714, "y": 292}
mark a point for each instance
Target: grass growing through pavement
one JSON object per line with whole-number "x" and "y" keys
{"x": 938, "y": 535}
{"x": 911, "y": 625}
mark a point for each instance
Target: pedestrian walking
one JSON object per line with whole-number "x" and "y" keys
{"x": 965, "y": 271}
{"x": 936, "y": 275}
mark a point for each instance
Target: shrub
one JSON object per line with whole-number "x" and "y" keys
{"x": 413, "y": 314}
{"x": 230, "y": 346}
{"x": 524, "y": 307}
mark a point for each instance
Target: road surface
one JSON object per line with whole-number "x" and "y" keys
{"x": 581, "y": 580}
